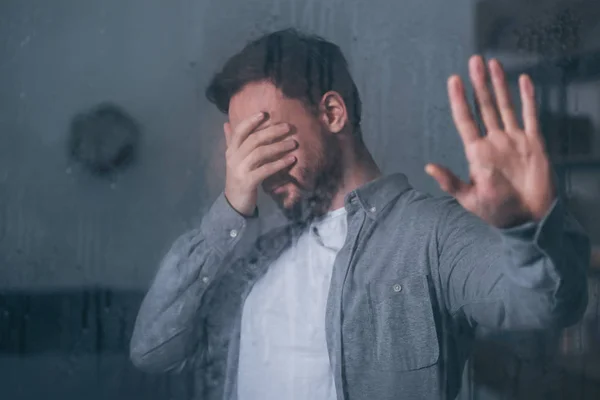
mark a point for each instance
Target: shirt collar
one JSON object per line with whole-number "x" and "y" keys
{"x": 372, "y": 197}
{"x": 375, "y": 195}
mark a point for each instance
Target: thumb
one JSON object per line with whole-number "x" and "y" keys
{"x": 448, "y": 182}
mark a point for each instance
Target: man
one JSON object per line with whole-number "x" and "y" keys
{"x": 374, "y": 289}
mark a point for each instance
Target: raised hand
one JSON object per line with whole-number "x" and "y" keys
{"x": 252, "y": 156}
{"x": 511, "y": 179}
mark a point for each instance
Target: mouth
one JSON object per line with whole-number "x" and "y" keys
{"x": 277, "y": 188}
{"x": 278, "y": 185}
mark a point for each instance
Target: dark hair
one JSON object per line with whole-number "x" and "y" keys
{"x": 302, "y": 66}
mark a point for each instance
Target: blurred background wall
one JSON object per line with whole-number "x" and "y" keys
{"x": 78, "y": 251}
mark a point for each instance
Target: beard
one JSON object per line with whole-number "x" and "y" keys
{"x": 326, "y": 176}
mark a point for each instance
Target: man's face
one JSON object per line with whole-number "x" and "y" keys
{"x": 303, "y": 190}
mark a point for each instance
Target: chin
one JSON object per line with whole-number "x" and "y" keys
{"x": 285, "y": 197}
{"x": 288, "y": 202}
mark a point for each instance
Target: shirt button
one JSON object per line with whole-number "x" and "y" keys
{"x": 397, "y": 287}
{"x": 372, "y": 209}
{"x": 205, "y": 279}
{"x": 233, "y": 233}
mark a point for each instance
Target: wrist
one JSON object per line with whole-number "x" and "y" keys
{"x": 244, "y": 211}
{"x": 540, "y": 210}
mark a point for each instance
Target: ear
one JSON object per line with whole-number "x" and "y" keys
{"x": 333, "y": 111}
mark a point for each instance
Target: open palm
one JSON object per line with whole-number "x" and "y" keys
{"x": 511, "y": 177}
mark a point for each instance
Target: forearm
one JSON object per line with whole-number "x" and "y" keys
{"x": 166, "y": 329}
{"x": 530, "y": 276}
{"x": 551, "y": 259}
{"x": 163, "y": 332}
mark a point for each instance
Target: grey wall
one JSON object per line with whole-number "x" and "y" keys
{"x": 76, "y": 252}
{"x": 62, "y": 229}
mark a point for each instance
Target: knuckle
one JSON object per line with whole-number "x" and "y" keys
{"x": 253, "y": 178}
{"x": 269, "y": 169}
{"x": 267, "y": 134}
{"x": 239, "y": 169}
{"x": 261, "y": 152}
{"x": 230, "y": 162}
{"x": 285, "y": 127}
{"x": 278, "y": 130}
{"x": 253, "y": 140}
{"x": 243, "y": 125}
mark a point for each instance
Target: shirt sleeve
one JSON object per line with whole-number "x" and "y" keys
{"x": 532, "y": 276}
{"x": 166, "y": 332}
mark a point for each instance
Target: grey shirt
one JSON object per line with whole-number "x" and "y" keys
{"x": 416, "y": 275}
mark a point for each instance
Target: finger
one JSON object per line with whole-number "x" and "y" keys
{"x": 264, "y": 154}
{"x": 263, "y": 137}
{"x": 227, "y": 130}
{"x": 530, "y": 118}
{"x": 448, "y": 182}
{"x": 503, "y": 100}
{"x": 244, "y": 128}
{"x": 461, "y": 112}
{"x": 487, "y": 108}
{"x": 271, "y": 168}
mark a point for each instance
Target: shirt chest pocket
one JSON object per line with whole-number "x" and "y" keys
{"x": 403, "y": 324}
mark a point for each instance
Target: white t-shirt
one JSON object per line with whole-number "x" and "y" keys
{"x": 283, "y": 350}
